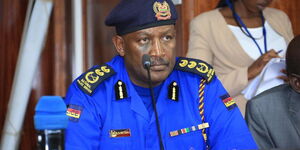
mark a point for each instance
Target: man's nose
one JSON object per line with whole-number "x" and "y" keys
{"x": 157, "y": 49}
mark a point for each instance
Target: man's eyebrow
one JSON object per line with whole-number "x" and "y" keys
{"x": 142, "y": 33}
{"x": 170, "y": 30}
{"x": 145, "y": 33}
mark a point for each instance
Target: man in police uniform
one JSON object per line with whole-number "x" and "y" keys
{"x": 109, "y": 106}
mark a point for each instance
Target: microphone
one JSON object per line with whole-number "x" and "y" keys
{"x": 50, "y": 122}
{"x": 146, "y": 61}
{"x": 147, "y": 64}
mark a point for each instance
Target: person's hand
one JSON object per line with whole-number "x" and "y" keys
{"x": 283, "y": 77}
{"x": 260, "y": 63}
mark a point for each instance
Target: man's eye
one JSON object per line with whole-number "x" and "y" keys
{"x": 144, "y": 40}
{"x": 167, "y": 37}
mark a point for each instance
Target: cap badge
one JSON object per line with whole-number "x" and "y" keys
{"x": 162, "y": 10}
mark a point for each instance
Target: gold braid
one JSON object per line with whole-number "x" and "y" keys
{"x": 201, "y": 109}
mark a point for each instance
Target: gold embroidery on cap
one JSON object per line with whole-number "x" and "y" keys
{"x": 162, "y": 10}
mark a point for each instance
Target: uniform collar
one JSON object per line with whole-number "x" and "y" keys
{"x": 136, "y": 103}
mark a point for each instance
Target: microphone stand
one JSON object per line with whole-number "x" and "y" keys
{"x": 154, "y": 107}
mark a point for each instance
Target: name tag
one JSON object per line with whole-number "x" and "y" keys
{"x": 119, "y": 133}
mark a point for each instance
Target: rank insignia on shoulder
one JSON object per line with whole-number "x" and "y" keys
{"x": 173, "y": 91}
{"x": 196, "y": 66}
{"x": 74, "y": 112}
{"x": 89, "y": 81}
{"x": 120, "y": 90}
{"x": 228, "y": 101}
{"x": 119, "y": 133}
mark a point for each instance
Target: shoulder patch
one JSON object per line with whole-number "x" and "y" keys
{"x": 89, "y": 81}
{"x": 228, "y": 101}
{"x": 196, "y": 66}
{"x": 74, "y": 112}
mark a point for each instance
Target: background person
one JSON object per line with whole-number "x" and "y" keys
{"x": 238, "y": 41}
{"x": 110, "y": 105}
{"x": 274, "y": 115}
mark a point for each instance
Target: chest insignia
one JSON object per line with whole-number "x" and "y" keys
{"x": 74, "y": 112}
{"x": 120, "y": 90}
{"x": 119, "y": 133}
{"x": 173, "y": 91}
{"x": 228, "y": 101}
{"x": 90, "y": 80}
{"x": 190, "y": 129}
{"x": 196, "y": 66}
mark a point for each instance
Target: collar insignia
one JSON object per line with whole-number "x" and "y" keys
{"x": 120, "y": 90}
{"x": 173, "y": 91}
{"x": 228, "y": 101}
{"x": 119, "y": 133}
{"x": 162, "y": 10}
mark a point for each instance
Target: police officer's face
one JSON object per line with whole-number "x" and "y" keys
{"x": 158, "y": 42}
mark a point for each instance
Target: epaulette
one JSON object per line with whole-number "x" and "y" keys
{"x": 196, "y": 66}
{"x": 90, "y": 80}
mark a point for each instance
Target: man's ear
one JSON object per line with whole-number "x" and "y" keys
{"x": 295, "y": 83}
{"x": 119, "y": 44}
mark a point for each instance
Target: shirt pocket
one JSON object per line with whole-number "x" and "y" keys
{"x": 116, "y": 143}
{"x": 120, "y": 139}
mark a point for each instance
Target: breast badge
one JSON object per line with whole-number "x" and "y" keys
{"x": 190, "y": 129}
{"x": 119, "y": 133}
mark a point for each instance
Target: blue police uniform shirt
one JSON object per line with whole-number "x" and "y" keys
{"x": 100, "y": 121}
{"x": 145, "y": 95}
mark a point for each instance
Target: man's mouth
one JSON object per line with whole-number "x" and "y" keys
{"x": 158, "y": 64}
{"x": 158, "y": 67}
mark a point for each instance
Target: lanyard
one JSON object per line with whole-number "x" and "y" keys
{"x": 238, "y": 18}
